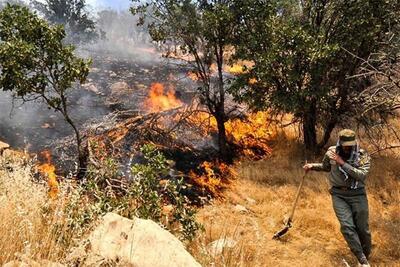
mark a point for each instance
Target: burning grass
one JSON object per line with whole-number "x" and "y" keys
{"x": 48, "y": 170}
{"x": 214, "y": 177}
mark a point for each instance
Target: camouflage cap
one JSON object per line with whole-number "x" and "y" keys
{"x": 347, "y": 137}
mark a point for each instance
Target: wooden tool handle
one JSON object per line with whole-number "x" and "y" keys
{"x": 297, "y": 198}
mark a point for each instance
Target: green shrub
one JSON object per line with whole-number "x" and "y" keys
{"x": 143, "y": 195}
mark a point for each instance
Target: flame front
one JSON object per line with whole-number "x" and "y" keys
{"x": 251, "y": 134}
{"x": 47, "y": 169}
{"x": 213, "y": 176}
{"x": 159, "y": 100}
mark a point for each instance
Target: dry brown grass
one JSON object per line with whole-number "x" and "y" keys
{"x": 315, "y": 239}
{"x": 27, "y": 216}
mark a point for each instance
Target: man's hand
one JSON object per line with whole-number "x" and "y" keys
{"x": 307, "y": 167}
{"x": 335, "y": 157}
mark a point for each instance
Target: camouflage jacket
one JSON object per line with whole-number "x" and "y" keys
{"x": 349, "y": 175}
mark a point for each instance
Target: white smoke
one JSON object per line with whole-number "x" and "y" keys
{"x": 122, "y": 38}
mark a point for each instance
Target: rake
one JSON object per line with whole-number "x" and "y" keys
{"x": 289, "y": 221}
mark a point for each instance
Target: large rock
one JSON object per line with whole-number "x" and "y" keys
{"x": 135, "y": 242}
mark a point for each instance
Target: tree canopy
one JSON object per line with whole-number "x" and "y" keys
{"x": 304, "y": 56}
{"x": 73, "y": 15}
{"x": 36, "y": 64}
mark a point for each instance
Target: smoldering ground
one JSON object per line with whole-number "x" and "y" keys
{"x": 124, "y": 57}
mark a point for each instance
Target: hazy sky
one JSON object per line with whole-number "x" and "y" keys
{"x": 99, "y": 4}
{"x": 114, "y": 4}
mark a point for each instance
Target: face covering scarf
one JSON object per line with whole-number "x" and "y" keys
{"x": 353, "y": 160}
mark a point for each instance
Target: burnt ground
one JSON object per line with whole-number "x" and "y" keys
{"x": 34, "y": 127}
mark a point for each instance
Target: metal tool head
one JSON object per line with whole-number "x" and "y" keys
{"x": 283, "y": 231}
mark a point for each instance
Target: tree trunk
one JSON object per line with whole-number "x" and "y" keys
{"x": 309, "y": 129}
{"x": 82, "y": 157}
{"x": 224, "y": 151}
{"x": 327, "y": 132}
{"x": 223, "y": 146}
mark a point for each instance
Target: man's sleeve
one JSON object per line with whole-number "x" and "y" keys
{"x": 360, "y": 172}
{"x": 324, "y": 166}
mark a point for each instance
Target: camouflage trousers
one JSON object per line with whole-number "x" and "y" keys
{"x": 351, "y": 208}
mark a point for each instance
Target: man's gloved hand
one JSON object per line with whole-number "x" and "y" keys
{"x": 335, "y": 157}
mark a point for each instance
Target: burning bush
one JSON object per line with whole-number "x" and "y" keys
{"x": 249, "y": 135}
{"x": 185, "y": 135}
{"x": 213, "y": 177}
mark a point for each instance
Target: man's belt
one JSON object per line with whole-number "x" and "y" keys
{"x": 347, "y": 191}
{"x": 343, "y": 188}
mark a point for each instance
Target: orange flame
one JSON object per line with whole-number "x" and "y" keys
{"x": 251, "y": 134}
{"x": 239, "y": 67}
{"x": 193, "y": 76}
{"x": 158, "y": 100}
{"x": 47, "y": 169}
{"x": 214, "y": 177}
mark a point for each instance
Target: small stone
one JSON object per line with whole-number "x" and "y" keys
{"x": 3, "y": 146}
{"x": 91, "y": 87}
{"x": 241, "y": 209}
{"x": 47, "y": 126}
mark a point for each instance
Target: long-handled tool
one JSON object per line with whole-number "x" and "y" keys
{"x": 289, "y": 221}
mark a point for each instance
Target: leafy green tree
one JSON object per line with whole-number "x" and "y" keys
{"x": 35, "y": 64}
{"x": 303, "y": 56}
{"x": 203, "y": 31}
{"x": 73, "y": 15}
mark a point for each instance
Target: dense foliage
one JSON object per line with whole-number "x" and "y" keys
{"x": 305, "y": 54}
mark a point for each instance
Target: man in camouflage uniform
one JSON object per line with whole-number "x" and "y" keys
{"x": 348, "y": 166}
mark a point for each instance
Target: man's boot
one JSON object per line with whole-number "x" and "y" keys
{"x": 363, "y": 262}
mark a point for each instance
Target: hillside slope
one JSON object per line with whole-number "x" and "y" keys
{"x": 267, "y": 189}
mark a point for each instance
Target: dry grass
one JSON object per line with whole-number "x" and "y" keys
{"x": 27, "y": 216}
{"x": 315, "y": 239}
{"x": 265, "y": 188}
